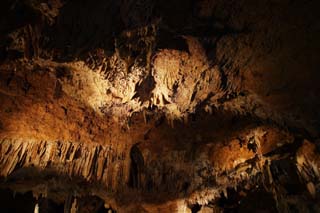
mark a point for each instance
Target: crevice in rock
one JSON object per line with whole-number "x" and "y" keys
{"x": 136, "y": 168}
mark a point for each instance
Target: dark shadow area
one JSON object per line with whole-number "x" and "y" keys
{"x": 243, "y": 201}
{"x": 195, "y": 208}
{"x": 49, "y": 206}
{"x": 92, "y": 204}
{"x": 136, "y": 167}
{"x": 12, "y": 202}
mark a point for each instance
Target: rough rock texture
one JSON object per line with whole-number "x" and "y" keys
{"x": 161, "y": 106}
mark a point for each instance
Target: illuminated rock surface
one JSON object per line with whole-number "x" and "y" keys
{"x": 159, "y": 106}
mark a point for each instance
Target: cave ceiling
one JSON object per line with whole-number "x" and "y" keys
{"x": 161, "y": 106}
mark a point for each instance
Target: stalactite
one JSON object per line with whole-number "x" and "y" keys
{"x": 89, "y": 161}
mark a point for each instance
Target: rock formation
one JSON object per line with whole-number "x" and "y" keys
{"x": 159, "y": 106}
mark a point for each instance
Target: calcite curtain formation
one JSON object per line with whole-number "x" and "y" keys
{"x": 161, "y": 106}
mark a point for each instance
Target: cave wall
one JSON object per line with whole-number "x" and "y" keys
{"x": 161, "y": 105}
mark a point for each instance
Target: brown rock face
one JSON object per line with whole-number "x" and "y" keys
{"x": 159, "y": 106}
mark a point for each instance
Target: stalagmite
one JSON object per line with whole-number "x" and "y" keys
{"x": 36, "y": 208}
{"x": 74, "y": 206}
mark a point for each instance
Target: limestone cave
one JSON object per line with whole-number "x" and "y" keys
{"x": 150, "y": 106}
